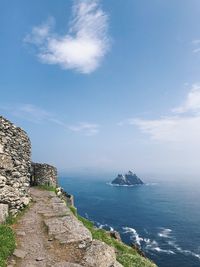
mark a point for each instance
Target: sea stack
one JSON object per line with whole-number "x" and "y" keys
{"x": 129, "y": 178}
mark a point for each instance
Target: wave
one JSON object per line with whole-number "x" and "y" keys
{"x": 152, "y": 245}
{"x": 132, "y": 185}
{"x": 165, "y": 233}
{"x": 150, "y": 184}
{"x": 105, "y": 226}
{"x": 118, "y": 185}
{"x": 168, "y": 251}
{"x": 134, "y": 235}
{"x": 183, "y": 251}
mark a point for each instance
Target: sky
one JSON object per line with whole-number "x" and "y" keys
{"x": 104, "y": 86}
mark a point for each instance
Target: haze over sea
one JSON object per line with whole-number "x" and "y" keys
{"x": 161, "y": 217}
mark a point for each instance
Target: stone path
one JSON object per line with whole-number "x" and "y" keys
{"x": 50, "y": 235}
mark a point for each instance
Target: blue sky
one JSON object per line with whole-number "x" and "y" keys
{"x": 104, "y": 86}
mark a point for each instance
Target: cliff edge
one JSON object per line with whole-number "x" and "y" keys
{"x": 47, "y": 233}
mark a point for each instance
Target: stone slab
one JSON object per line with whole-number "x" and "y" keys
{"x": 3, "y": 212}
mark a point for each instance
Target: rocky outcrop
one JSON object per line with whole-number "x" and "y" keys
{"x": 99, "y": 254}
{"x": 43, "y": 174}
{"x": 115, "y": 235}
{"x": 15, "y": 164}
{"x": 127, "y": 179}
{"x": 68, "y": 198}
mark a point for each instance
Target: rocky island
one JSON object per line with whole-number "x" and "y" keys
{"x": 129, "y": 178}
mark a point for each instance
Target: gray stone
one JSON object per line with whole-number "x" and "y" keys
{"x": 21, "y": 233}
{"x": 68, "y": 230}
{"x": 20, "y": 253}
{"x": 15, "y": 165}
{"x": 67, "y": 264}
{"x": 40, "y": 259}
{"x": 43, "y": 174}
{"x": 99, "y": 254}
{"x": 1, "y": 148}
{"x": 3, "y": 212}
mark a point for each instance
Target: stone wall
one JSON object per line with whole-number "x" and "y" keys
{"x": 43, "y": 174}
{"x": 15, "y": 165}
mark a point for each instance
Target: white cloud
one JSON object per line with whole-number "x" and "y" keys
{"x": 84, "y": 45}
{"x": 192, "y": 102}
{"x": 88, "y": 129}
{"x": 171, "y": 129}
{"x": 181, "y": 126}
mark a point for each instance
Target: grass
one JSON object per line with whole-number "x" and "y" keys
{"x": 126, "y": 255}
{"x": 74, "y": 210}
{"x": 10, "y": 220}
{"x": 7, "y": 243}
{"x": 46, "y": 187}
{"x": 7, "y": 237}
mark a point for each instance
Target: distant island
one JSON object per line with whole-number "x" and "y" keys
{"x": 128, "y": 179}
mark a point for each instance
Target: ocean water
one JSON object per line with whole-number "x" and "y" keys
{"x": 162, "y": 218}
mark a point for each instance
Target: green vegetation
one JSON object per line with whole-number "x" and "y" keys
{"x": 7, "y": 237}
{"x": 46, "y": 187}
{"x": 14, "y": 219}
{"x": 126, "y": 255}
{"x": 7, "y": 243}
{"x": 74, "y": 210}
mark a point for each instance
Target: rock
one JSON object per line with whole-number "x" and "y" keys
{"x": 69, "y": 199}
{"x": 3, "y": 212}
{"x": 138, "y": 249}
{"x": 1, "y": 148}
{"x": 19, "y": 253}
{"x": 99, "y": 254}
{"x": 6, "y": 162}
{"x": 40, "y": 259}
{"x": 127, "y": 179}
{"x": 67, "y": 230}
{"x": 15, "y": 154}
{"x": 67, "y": 264}
{"x": 43, "y": 174}
{"x": 25, "y": 200}
{"x": 21, "y": 233}
{"x": 117, "y": 264}
{"x": 115, "y": 235}
{"x": 2, "y": 181}
{"x": 59, "y": 193}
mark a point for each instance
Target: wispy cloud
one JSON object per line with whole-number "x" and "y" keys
{"x": 196, "y": 45}
{"x": 28, "y": 112}
{"x": 86, "y": 128}
{"x": 181, "y": 125}
{"x": 192, "y": 102}
{"x": 36, "y": 114}
{"x": 84, "y": 45}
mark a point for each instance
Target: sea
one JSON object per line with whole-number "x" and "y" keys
{"x": 162, "y": 218}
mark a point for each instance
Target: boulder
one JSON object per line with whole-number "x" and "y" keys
{"x": 99, "y": 254}
{"x": 115, "y": 235}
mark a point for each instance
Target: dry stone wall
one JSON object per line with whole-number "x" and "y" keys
{"x": 15, "y": 166}
{"x": 43, "y": 174}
